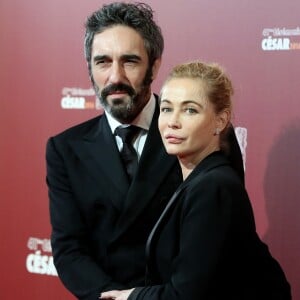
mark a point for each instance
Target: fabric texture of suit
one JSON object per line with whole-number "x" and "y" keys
{"x": 205, "y": 244}
{"x": 100, "y": 224}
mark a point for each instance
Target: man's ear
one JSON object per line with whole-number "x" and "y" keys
{"x": 89, "y": 67}
{"x": 155, "y": 68}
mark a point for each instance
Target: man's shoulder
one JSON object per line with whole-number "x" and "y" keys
{"x": 80, "y": 129}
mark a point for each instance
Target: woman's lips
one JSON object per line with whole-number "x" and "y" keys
{"x": 174, "y": 139}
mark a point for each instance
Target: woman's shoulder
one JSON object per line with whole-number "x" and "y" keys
{"x": 217, "y": 184}
{"x": 215, "y": 170}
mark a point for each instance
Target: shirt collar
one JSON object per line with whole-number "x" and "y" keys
{"x": 143, "y": 120}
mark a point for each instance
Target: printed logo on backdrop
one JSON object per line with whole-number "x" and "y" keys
{"x": 78, "y": 98}
{"x": 241, "y": 135}
{"x": 275, "y": 39}
{"x": 40, "y": 259}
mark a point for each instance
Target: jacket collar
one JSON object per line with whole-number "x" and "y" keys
{"x": 213, "y": 160}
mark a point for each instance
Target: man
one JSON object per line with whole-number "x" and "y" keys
{"x": 101, "y": 213}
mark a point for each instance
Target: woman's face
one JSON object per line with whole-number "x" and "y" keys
{"x": 187, "y": 120}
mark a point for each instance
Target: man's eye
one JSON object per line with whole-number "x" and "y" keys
{"x": 101, "y": 63}
{"x": 131, "y": 63}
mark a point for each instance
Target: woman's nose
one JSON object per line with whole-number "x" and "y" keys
{"x": 174, "y": 121}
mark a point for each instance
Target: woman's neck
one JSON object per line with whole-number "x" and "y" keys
{"x": 186, "y": 168}
{"x": 188, "y": 164}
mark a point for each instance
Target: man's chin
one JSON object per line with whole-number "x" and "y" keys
{"x": 122, "y": 115}
{"x": 122, "y": 109}
{"x": 119, "y": 102}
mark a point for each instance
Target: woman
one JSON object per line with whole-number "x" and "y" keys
{"x": 204, "y": 245}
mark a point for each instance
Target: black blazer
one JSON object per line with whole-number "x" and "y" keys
{"x": 100, "y": 224}
{"x": 205, "y": 245}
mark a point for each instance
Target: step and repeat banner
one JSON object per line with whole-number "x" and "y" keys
{"x": 44, "y": 88}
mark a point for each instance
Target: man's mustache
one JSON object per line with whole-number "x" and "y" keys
{"x": 117, "y": 87}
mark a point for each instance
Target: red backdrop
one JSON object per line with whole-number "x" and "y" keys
{"x": 45, "y": 88}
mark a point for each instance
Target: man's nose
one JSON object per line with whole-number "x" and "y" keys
{"x": 117, "y": 73}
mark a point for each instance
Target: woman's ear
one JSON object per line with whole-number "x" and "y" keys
{"x": 222, "y": 120}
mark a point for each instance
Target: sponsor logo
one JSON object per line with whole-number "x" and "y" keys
{"x": 241, "y": 135}
{"x": 275, "y": 39}
{"x": 40, "y": 260}
{"x": 78, "y": 98}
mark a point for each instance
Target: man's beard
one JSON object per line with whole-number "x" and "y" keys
{"x": 121, "y": 109}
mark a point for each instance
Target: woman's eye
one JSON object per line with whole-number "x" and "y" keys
{"x": 191, "y": 110}
{"x": 165, "y": 109}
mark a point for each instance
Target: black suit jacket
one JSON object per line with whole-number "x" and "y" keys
{"x": 205, "y": 245}
{"x": 99, "y": 223}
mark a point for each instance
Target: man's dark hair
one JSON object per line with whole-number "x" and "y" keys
{"x": 138, "y": 16}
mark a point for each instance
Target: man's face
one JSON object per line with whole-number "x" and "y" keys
{"x": 120, "y": 71}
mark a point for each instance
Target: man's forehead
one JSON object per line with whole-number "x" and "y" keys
{"x": 119, "y": 37}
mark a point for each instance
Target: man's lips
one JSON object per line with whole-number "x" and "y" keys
{"x": 173, "y": 139}
{"x": 118, "y": 93}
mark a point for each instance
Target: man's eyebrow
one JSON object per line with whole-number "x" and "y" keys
{"x": 131, "y": 57}
{"x": 124, "y": 57}
{"x": 100, "y": 57}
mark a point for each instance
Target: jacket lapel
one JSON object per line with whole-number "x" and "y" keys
{"x": 98, "y": 150}
{"x": 150, "y": 265}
